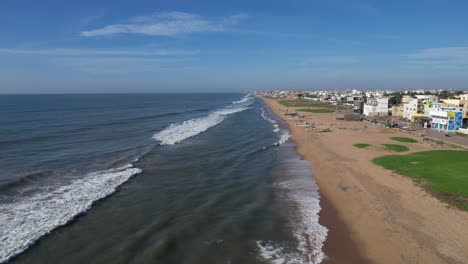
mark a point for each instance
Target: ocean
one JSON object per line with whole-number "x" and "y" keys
{"x": 153, "y": 178}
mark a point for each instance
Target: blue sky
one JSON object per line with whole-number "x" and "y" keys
{"x": 222, "y": 46}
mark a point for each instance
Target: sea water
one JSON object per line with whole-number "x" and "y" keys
{"x": 145, "y": 178}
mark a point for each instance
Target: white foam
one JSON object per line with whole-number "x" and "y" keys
{"x": 302, "y": 194}
{"x": 276, "y": 128}
{"x": 285, "y": 135}
{"x": 277, "y": 254}
{"x": 176, "y": 133}
{"x": 244, "y": 99}
{"x": 28, "y": 218}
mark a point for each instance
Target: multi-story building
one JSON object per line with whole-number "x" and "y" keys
{"x": 412, "y": 107}
{"x": 448, "y": 118}
{"x": 358, "y": 106}
{"x": 428, "y": 98}
{"x": 397, "y": 110}
{"x": 462, "y": 102}
{"x": 405, "y": 99}
{"x": 376, "y": 107}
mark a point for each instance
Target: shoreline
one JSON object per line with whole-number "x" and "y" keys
{"x": 374, "y": 215}
{"x": 339, "y": 246}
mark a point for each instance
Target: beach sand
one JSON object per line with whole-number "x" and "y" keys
{"x": 373, "y": 214}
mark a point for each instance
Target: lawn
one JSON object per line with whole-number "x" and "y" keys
{"x": 394, "y": 147}
{"x": 362, "y": 145}
{"x": 315, "y": 110}
{"x": 404, "y": 139}
{"x": 443, "y": 171}
{"x": 301, "y": 103}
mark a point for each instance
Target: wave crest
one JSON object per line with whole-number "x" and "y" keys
{"x": 284, "y": 135}
{"x": 244, "y": 99}
{"x": 301, "y": 194}
{"x": 28, "y": 218}
{"x": 176, "y": 133}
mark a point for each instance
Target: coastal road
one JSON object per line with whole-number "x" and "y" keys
{"x": 440, "y": 135}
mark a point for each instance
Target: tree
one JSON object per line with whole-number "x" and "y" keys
{"x": 395, "y": 100}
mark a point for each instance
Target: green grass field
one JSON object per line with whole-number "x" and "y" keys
{"x": 362, "y": 145}
{"x": 302, "y": 103}
{"x": 404, "y": 139}
{"x": 394, "y": 147}
{"x": 315, "y": 110}
{"x": 445, "y": 172}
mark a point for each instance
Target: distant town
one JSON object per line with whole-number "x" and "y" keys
{"x": 441, "y": 110}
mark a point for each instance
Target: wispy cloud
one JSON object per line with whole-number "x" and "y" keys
{"x": 95, "y": 52}
{"x": 107, "y": 62}
{"x": 117, "y": 65}
{"x": 332, "y": 60}
{"x": 440, "y": 53}
{"x": 166, "y": 24}
{"x": 442, "y": 57}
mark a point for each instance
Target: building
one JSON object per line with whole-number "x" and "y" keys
{"x": 447, "y": 118}
{"x": 462, "y": 102}
{"x": 358, "y": 107}
{"x": 405, "y": 99}
{"x": 428, "y": 98}
{"x": 376, "y": 107}
{"x": 397, "y": 110}
{"x": 412, "y": 107}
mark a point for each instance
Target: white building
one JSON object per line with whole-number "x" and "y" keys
{"x": 412, "y": 108}
{"x": 376, "y": 107}
{"x": 427, "y": 99}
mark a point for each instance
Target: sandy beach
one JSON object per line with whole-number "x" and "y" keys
{"x": 373, "y": 214}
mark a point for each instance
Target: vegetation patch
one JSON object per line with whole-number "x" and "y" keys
{"x": 404, "y": 139}
{"x": 394, "y": 147}
{"x": 362, "y": 145}
{"x": 443, "y": 172}
{"x": 315, "y": 110}
{"x": 307, "y": 103}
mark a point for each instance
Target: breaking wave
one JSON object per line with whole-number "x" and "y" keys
{"x": 276, "y": 128}
{"x": 176, "y": 133}
{"x": 244, "y": 99}
{"x": 298, "y": 189}
{"x": 284, "y": 134}
{"x": 44, "y": 208}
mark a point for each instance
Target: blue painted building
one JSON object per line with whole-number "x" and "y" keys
{"x": 447, "y": 118}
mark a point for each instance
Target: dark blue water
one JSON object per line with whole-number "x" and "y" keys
{"x": 152, "y": 178}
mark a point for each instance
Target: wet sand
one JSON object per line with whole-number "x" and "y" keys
{"x": 373, "y": 214}
{"x": 339, "y": 246}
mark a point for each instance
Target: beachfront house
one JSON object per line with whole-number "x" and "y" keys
{"x": 397, "y": 110}
{"x": 413, "y": 107}
{"x": 447, "y": 118}
{"x": 358, "y": 106}
{"x": 376, "y": 107}
{"x": 428, "y": 98}
{"x": 462, "y": 102}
